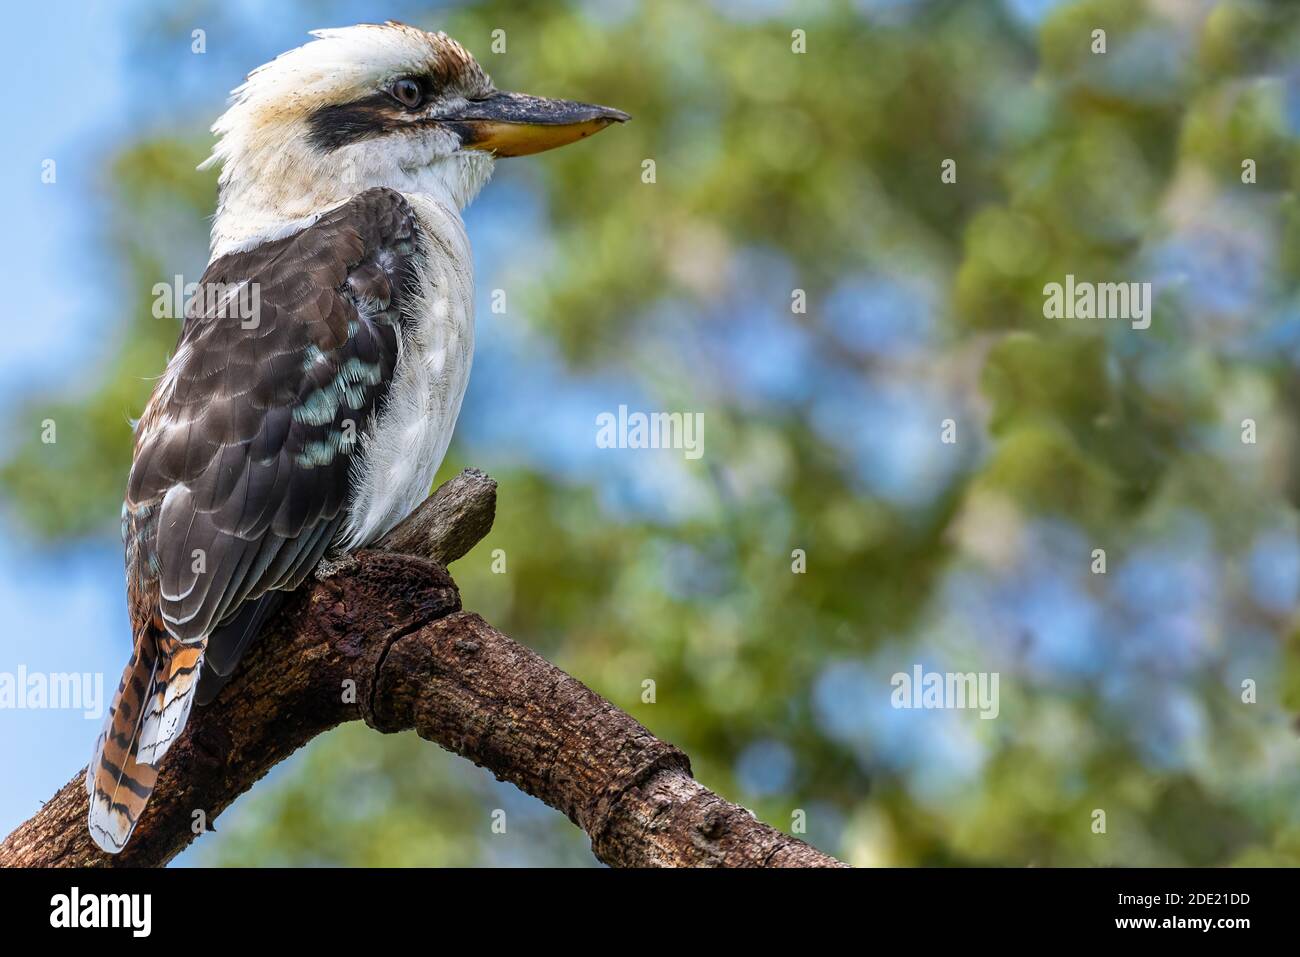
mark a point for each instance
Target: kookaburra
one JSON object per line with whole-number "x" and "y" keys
{"x": 319, "y": 420}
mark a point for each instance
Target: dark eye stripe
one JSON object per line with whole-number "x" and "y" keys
{"x": 331, "y": 127}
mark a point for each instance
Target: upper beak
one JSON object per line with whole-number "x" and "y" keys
{"x": 515, "y": 124}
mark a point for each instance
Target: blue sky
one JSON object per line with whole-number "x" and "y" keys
{"x": 61, "y": 611}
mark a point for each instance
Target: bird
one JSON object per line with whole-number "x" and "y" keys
{"x": 309, "y": 400}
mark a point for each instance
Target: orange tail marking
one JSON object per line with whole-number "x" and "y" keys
{"x": 148, "y": 713}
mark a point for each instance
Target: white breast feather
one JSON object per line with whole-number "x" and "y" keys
{"x": 404, "y": 445}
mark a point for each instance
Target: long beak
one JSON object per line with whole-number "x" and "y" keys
{"x": 515, "y": 124}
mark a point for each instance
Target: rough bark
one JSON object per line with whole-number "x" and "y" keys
{"x": 450, "y": 522}
{"x": 381, "y": 637}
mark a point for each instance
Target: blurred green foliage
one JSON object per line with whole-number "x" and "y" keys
{"x": 829, "y": 162}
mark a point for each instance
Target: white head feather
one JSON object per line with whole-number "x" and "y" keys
{"x": 274, "y": 180}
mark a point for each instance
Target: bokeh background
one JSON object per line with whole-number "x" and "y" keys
{"x": 776, "y": 171}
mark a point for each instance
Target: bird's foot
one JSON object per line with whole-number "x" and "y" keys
{"x": 333, "y": 562}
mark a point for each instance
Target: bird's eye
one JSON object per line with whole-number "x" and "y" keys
{"x": 407, "y": 92}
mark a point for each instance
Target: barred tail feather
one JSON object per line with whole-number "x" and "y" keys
{"x": 148, "y": 713}
{"x": 173, "y": 696}
{"x": 118, "y": 785}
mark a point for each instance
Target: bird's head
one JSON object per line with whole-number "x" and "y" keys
{"x": 372, "y": 105}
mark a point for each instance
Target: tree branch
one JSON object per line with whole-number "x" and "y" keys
{"x": 381, "y": 637}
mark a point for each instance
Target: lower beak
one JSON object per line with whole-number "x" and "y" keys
{"x": 515, "y": 124}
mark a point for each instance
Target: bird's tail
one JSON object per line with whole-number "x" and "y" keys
{"x": 148, "y": 713}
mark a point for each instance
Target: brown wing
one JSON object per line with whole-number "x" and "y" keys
{"x": 242, "y": 465}
{"x": 243, "y": 460}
